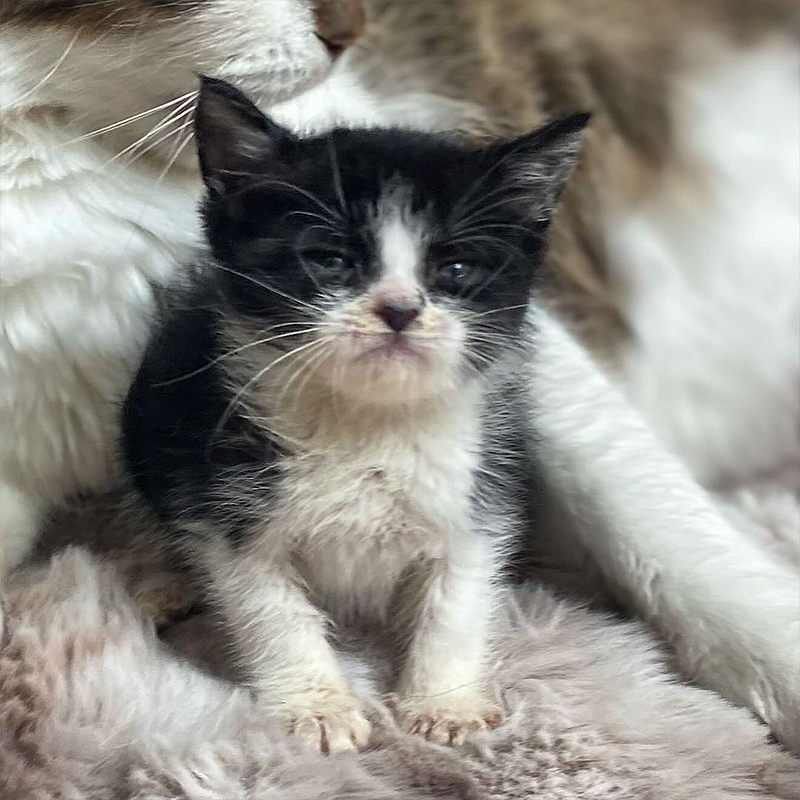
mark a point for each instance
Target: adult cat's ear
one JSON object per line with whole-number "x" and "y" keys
{"x": 234, "y": 139}
{"x": 537, "y": 165}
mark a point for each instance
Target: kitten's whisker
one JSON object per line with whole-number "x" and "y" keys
{"x": 467, "y": 221}
{"x": 501, "y": 162}
{"x": 309, "y": 273}
{"x": 293, "y": 187}
{"x": 257, "y": 377}
{"x": 328, "y": 223}
{"x": 230, "y": 353}
{"x": 475, "y": 204}
{"x": 308, "y": 364}
{"x": 337, "y": 175}
{"x": 266, "y": 287}
{"x": 491, "y": 278}
{"x": 269, "y": 328}
{"x": 473, "y": 315}
{"x": 499, "y": 244}
{"x": 502, "y": 226}
{"x": 324, "y": 353}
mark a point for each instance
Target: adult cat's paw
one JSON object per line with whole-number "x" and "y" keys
{"x": 328, "y": 720}
{"x": 445, "y": 719}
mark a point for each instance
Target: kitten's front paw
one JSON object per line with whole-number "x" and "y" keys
{"x": 445, "y": 719}
{"x": 329, "y": 720}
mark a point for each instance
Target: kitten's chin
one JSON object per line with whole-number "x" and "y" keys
{"x": 391, "y": 369}
{"x": 393, "y": 376}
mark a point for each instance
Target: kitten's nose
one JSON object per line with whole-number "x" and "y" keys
{"x": 339, "y": 22}
{"x": 398, "y": 318}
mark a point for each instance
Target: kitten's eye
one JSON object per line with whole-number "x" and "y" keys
{"x": 458, "y": 271}
{"x": 331, "y": 263}
{"x": 331, "y": 266}
{"x": 460, "y": 275}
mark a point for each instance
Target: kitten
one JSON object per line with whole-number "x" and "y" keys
{"x": 326, "y": 419}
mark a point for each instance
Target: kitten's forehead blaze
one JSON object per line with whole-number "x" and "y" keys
{"x": 400, "y": 235}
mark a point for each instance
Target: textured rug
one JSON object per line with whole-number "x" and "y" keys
{"x": 94, "y": 704}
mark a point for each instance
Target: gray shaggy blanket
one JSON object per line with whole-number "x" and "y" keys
{"x": 93, "y": 704}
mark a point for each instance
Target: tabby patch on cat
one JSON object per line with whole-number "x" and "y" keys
{"x": 326, "y": 418}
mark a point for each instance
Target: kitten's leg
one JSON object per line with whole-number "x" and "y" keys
{"x": 281, "y": 640}
{"x": 440, "y": 692}
{"x": 729, "y": 610}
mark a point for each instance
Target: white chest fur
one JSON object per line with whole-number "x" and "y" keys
{"x": 365, "y": 501}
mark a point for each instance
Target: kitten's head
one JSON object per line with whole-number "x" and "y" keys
{"x": 397, "y": 265}
{"x": 107, "y": 60}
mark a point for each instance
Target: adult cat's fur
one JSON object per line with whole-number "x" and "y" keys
{"x": 320, "y": 421}
{"x": 98, "y": 200}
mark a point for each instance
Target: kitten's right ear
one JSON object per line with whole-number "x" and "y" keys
{"x": 234, "y": 139}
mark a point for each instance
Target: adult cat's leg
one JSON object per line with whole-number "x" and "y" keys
{"x": 21, "y": 516}
{"x": 447, "y": 611}
{"x": 281, "y": 641}
{"x": 731, "y": 613}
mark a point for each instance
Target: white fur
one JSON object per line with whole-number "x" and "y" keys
{"x": 399, "y": 245}
{"x": 708, "y": 266}
{"x": 728, "y": 608}
{"x": 356, "y": 517}
{"x": 86, "y": 236}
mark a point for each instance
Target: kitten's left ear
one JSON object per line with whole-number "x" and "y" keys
{"x": 539, "y": 163}
{"x": 235, "y": 141}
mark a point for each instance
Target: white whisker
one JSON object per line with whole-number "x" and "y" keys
{"x": 266, "y": 287}
{"x": 168, "y": 120}
{"x": 230, "y": 353}
{"x": 257, "y": 377}
{"x": 130, "y": 120}
{"x": 53, "y": 69}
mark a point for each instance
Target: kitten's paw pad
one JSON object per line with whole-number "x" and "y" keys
{"x": 445, "y": 721}
{"x": 329, "y": 721}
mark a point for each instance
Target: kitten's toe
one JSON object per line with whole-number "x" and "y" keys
{"x": 446, "y": 722}
{"x": 331, "y": 722}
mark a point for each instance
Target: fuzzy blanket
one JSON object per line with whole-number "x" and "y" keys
{"x": 95, "y": 704}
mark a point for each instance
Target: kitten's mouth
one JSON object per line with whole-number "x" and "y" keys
{"x": 392, "y": 346}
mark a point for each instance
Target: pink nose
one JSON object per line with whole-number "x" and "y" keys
{"x": 396, "y": 317}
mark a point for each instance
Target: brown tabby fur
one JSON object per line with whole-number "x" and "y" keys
{"x": 529, "y": 60}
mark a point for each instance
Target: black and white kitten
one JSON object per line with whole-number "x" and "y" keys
{"x": 320, "y": 419}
